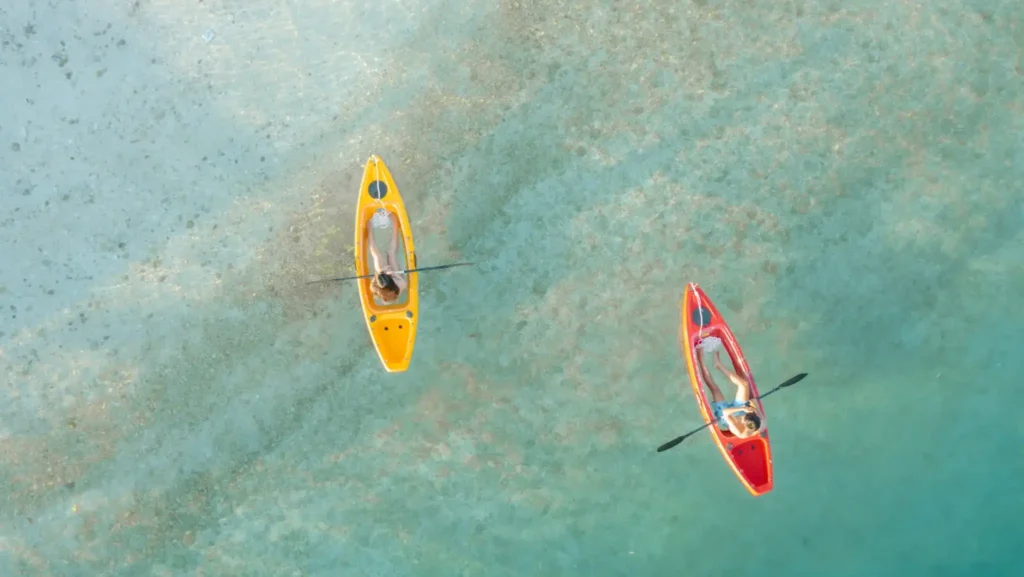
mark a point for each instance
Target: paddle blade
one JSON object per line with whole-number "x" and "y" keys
{"x": 673, "y": 443}
{"x": 678, "y": 440}
{"x": 792, "y": 381}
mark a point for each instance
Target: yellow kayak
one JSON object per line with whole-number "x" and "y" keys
{"x": 392, "y": 326}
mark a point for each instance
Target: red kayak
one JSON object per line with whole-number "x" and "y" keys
{"x": 750, "y": 458}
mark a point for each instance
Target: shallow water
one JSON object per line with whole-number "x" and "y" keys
{"x": 842, "y": 178}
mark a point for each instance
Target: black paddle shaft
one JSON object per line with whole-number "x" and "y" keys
{"x": 792, "y": 381}
{"x": 439, "y": 267}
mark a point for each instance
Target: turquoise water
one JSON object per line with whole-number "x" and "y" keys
{"x": 843, "y": 179}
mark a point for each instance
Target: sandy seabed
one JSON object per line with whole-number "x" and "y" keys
{"x": 842, "y": 178}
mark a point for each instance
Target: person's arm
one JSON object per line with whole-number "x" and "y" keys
{"x": 400, "y": 281}
{"x": 738, "y": 429}
{"x": 757, "y": 411}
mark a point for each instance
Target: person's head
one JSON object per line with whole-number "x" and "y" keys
{"x": 752, "y": 421}
{"x": 384, "y": 287}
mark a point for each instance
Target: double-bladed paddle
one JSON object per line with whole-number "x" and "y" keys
{"x": 678, "y": 440}
{"x": 396, "y": 272}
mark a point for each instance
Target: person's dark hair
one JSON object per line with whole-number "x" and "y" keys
{"x": 384, "y": 287}
{"x": 752, "y": 421}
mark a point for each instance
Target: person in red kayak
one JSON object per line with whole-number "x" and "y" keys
{"x": 740, "y": 416}
{"x": 389, "y": 282}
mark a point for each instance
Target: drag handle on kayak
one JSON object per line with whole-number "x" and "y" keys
{"x": 439, "y": 267}
{"x": 790, "y": 382}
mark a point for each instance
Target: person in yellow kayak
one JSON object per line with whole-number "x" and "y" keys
{"x": 389, "y": 282}
{"x": 740, "y": 416}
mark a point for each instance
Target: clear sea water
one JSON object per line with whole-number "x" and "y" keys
{"x": 844, "y": 179}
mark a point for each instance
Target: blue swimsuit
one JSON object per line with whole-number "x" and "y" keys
{"x": 718, "y": 406}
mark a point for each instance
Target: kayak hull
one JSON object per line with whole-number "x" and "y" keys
{"x": 751, "y": 458}
{"x": 392, "y": 326}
